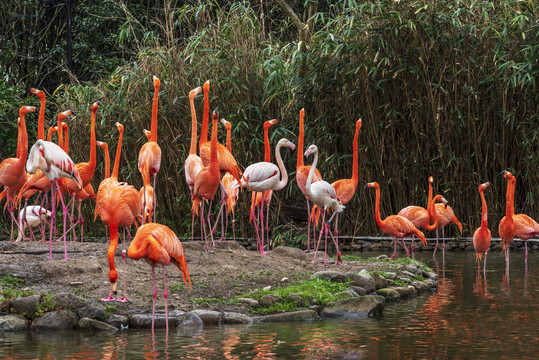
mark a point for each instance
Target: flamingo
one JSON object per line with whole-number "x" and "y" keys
{"x": 256, "y": 198}
{"x": 193, "y": 164}
{"x": 481, "y": 236}
{"x": 395, "y": 226}
{"x": 35, "y": 215}
{"x": 12, "y": 169}
{"x": 264, "y": 176}
{"x": 157, "y": 244}
{"x": 149, "y": 157}
{"x": 41, "y": 120}
{"x": 146, "y": 196}
{"x": 302, "y": 172}
{"x": 118, "y": 204}
{"x": 446, "y": 215}
{"x": 507, "y": 226}
{"x": 323, "y": 195}
{"x": 231, "y": 189}
{"x": 53, "y": 161}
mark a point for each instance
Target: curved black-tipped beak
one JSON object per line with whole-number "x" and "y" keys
{"x": 445, "y": 205}
{"x": 54, "y": 124}
{"x": 216, "y": 112}
{"x": 502, "y": 173}
{"x": 490, "y": 184}
{"x": 366, "y": 186}
{"x": 73, "y": 113}
{"x": 99, "y": 103}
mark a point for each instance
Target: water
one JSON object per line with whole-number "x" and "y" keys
{"x": 470, "y": 316}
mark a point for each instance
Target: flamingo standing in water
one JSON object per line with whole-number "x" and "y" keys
{"x": 207, "y": 182}
{"x": 149, "y": 157}
{"x": 157, "y": 244}
{"x": 507, "y": 227}
{"x": 395, "y": 226}
{"x": 481, "y": 236}
{"x": 118, "y": 204}
{"x": 446, "y": 215}
{"x": 12, "y": 173}
{"x": 302, "y": 172}
{"x": 193, "y": 164}
{"x": 229, "y": 186}
{"x": 323, "y": 195}
{"x": 264, "y": 176}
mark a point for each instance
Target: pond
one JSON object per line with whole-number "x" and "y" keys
{"x": 470, "y": 316}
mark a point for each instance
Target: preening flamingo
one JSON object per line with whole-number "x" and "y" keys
{"x": 157, "y": 244}
{"x": 12, "y": 172}
{"x": 323, "y": 195}
{"x": 193, "y": 163}
{"x": 207, "y": 182}
{"x": 118, "y": 204}
{"x": 507, "y": 226}
{"x": 230, "y": 186}
{"x": 481, "y": 236}
{"x": 256, "y": 197}
{"x": 264, "y": 176}
{"x": 446, "y": 215}
{"x": 395, "y": 226}
{"x": 149, "y": 157}
{"x": 35, "y": 215}
{"x": 302, "y": 172}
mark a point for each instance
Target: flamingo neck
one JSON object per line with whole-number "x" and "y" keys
{"x": 311, "y": 173}
{"x": 153, "y": 136}
{"x": 377, "y": 217}
{"x": 284, "y": 180}
{"x": 41, "y": 120}
{"x": 267, "y": 151}
{"x": 509, "y": 197}
{"x": 60, "y": 132}
{"x": 107, "y": 163}
{"x": 484, "y": 221}
{"x": 66, "y": 138}
{"x": 433, "y": 215}
{"x": 116, "y": 168}
{"x": 193, "y": 148}
{"x": 50, "y": 132}
{"x": 92, "y": 143}
{"x": 355, "y": 166}
{"x": 205, "y": 117}
{"x": 299, "y": 161}
{"x": 214, "y": 162}
{"x": 113, "y": 244}
{"x": 430, "y": 204}
{"x": 24, "y": 139}
{"x": 229, "y": 139}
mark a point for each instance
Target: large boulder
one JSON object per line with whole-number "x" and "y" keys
{"x": 210, "y": 317}
{"x": 269, "y": 300}
{"x": 420, "y": 286}
{"x": 363, "y": 306}
{"x": 91, "y": 309}
{"x": 92, "y": 324}
{"x": 330, "y": 275}
{"x": 379, "y": 281}
{"x": 236, "y": 318}
{"x": 363, "y": 279}
{"x": 299, "y": 315}
{"x": 26, "y": 306}
{"x": 341, "y": 295}
{"x": 13, "y": 323}
{"x": 358, "y": 290}
{"x": 248, "y": 301}
{"x": 68, "y": 301}
{"x": 118, "y": 321}
{"x": 145, "y": 321}
{"x": 56, "y": 320}
{"x": 389, "y": 294}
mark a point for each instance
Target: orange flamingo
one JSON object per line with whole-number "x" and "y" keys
{"x": 118, "y": 204}
{"x": 149, "y": 157}
{"x": 230, "y": 188}
{"x": 193, "y": 164}
{"x": 302, "y": 172}
{"x": 41, "y": 120}
{"x": 157, "y": 244}
{"x": 446, "y": 215}
{"x": 507, "y": 227}
{"x": 207, "y": 181}
{"x": 12, "y": 172}
{"x": 256, "y": 198}
{"x": 395, "y": 226}
{"x": 481, "y": 236}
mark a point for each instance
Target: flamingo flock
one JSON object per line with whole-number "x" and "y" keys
{"x": 48, "y": 166}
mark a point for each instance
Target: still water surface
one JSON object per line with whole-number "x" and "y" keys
{"x": 470, "y": 316}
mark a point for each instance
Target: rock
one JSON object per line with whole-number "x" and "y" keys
{"x": 285, "y": 280}
{"x": 407, "y": 274}
{"x": 411, "y": 291}
{"x": 390, "y": 275}
{"x": 300, "y": 302}
{"x": 405, "y": 291}
{"x": 267, "y": 288}
{"x": 363, "y": 306}
{"x": 91, "y": 309}
{"x": 92, "y": 324}
{"x": 379, "y": 281}
{"x": 362, "y": 279}
{"x": 145, "y": 321}
{"x": 353, "y": 293}
{"x": 191, "y": 319}
{"x": 359, "y": 290}
{"x": 26, "y": 306}
{"x": 299, "y": 315}
{"x": 376, "y": 246}
{"x": 13, "y": 323}
{"x": 404, "y": 279}
{"x": 389, "y": 294}
{"x": 431, "y": 283}
{"x": 380, "y": 257}
{"x": 56, "y": 320}
{"x": 269, "y": 300}
{"x": 118, "y": 321}
{"x": 420, "y": 286}
{"x": 210, "y": 317}
{"x": 366, "y": 246}
{"x": 236, "y": 318}
{"x": 248, "y": 301}
{"x": 343, "y": 295}
{"x": 68, "y": 301}
{"x": 330, "y": 275}
{"x": 430, "y": 275}
{"x": 412, "y": 269}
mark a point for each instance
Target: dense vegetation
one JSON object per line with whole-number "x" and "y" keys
{"x": 444, "y": 88}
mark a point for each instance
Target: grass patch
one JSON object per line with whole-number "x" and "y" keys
{"x": 176, "y": 287}
{"x": 11, "y": 281}
{"x": 311, "y": 291}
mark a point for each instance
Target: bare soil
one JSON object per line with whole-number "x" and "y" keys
{"x": 217, "y": 277}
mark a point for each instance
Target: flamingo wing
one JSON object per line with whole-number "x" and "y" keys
{"x": 526, "y": 228}
{"x": 227, "y": 162}
{"x": 345, "y": 190}
{"x": 302, "y": 173}
{"x": 193, "y": 165}
{"x": 261, "y": 176}
{"x": 416, "y": 214}
{"x": 149, "y": 160}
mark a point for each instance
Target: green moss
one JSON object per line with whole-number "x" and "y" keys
{"x": 11, "y": 281}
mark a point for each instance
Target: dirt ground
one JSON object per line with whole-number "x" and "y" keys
{"x": 230, "y": 270}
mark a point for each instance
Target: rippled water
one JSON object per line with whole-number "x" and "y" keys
{"x": 470, "y": 316}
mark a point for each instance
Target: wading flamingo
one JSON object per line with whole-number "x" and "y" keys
{"x": 481, "y": 236}
{"x": 446, "y": 215}
{"x": 193, "y": 163}
{"x": 149, "y": 156}
{"x": 302, "y": 172}
{"x": 230, "y": 186}
{"x": 507, "y": 227}
{"x": 396, "y": 226}
{"x": 12, "y": 172}
{"x": 35, "y": 215}
{"x": 323, "y": 195}
{"x": 264, "y": 176}
{"x": 157, "y": 244}
{"x": 118, "y": 204}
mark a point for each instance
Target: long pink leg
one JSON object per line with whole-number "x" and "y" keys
{"x": 53, "y": 212}
{"x": 267, "y": 223}
{"x": 81, "y": 222}
{"x": 192, "y": 226}
{"x": 204, "y": 227}
{"x": 154, "y": 296}
{"x": 165, "y": 295}
{"x": 144, "y": 204}
{"x": 124, "y": 297}
{"x": 64, "y": 213}
{"x": 526, "y": 255}
{"x": 412, "y": 249}
{"x": 443, "y": 239}
{"x": 233, "y": 225}
{"x": 436, "y": 246}
{"x": 154, "y": 199}
{"x": 335, "y": 239}
{"x": 394, "y": 249}
{"x": 262, "y": 219}
{"x": 259, "y": 246}
{"x": 72, "y": 201}
{"x": 326, "y": 228}
{"x": 319, "y": 238}
{"x": 309, "y": 227}
{"x": 405, "y": 248}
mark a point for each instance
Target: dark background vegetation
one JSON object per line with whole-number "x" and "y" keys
{"x": 444, "y": 88}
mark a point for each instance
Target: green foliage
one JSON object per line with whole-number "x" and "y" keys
{"x": 11, "y": 281}
{"x": 46, "y": 304}
{"x": 176, "y": 287}
{"x": 206, "y": 301}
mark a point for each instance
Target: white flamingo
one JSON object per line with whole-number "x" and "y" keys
{"x": 324, "y": 196}
{"x": 35, "y": 215}
{"x": 264, "y": 176}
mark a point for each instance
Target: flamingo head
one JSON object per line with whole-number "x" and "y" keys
{"x": 156, "y": 82}
{"x": 102, "y": 145}
{"x": 286, "y": 142}
{"x": 40, "y": 94}
{"x": 483, "y": 186}
{"x": 506, "y": 174}
{"x": 148, "y": 134}
{"x": 120, "y": 127}
{"x": 302, "y": 114}
{"x": 26, "y": 109}
{"x": 194, "y": 93}
{"x": 311, "y": 150}
{"x": 215, "y": 115}
{"x": 63, "y": 115}
{"x": 227, "y": 124}
{"x": 431, "y": 179}
{"x": 358, "y": 125}
{"x": 96, "y": 105}
{"x": 206, "y": 87}
{"x": 269, "y": 124}
{"x": 372, "y": 185}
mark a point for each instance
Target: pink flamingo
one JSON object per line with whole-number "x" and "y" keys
{"x": 481, "y": 236}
